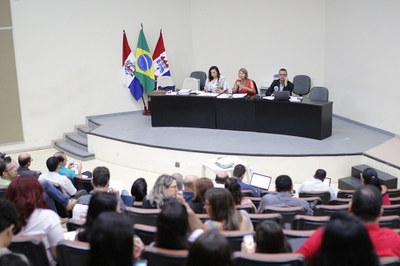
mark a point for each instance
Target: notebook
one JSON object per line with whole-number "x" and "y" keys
{"x": 281, "y": 95}
{"x": 260, "y": 181}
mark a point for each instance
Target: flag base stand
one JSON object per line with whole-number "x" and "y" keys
{"x": 146, "y": 111}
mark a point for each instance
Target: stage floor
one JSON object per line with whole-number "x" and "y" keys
{"x": 348, "y": 138}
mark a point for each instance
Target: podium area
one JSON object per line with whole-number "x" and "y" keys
{"x": 309, "y": 119}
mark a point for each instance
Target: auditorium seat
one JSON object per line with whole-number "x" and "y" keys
{"x": 256, "y": 200}
{"x": 249, "y": 208}
{"x": 203, "y": 217}
{"x": 146, "y": 233}
{"x": 389, "y": 261}
{"x": 324, "y": 195}
{"x": 2, "y": 192}
{"x": 32, "y": 247}
{"x": 319, "y": 94}
{"x": 328, "y": 210}
{"x": 245, "y": 259}
{"x": 164, "y": 257}
{"x": 296, "y": 238}
{"x": 74, "y": 224}
{"x": 394, "y": 192}
{"x": 200, "y": 75}
{"x": 235, "y": 238}
{"x": 73, "y": 253}
{"x": 394, "y": 200}
{"x": 306, "y": 222}
{"x": 83, "y": 184}
{"x": 313, "y": 200}
{"x": 142, "y": 216}
{"x": 345, "y": 194}
{"x": 390, "y": 221}
{"x": 391, "y": 209}
{"x": 340, "y": 201}
{"x": 257, "y": 218}
{"x": 287, "y": 213}
{"x": 302, "y": 84}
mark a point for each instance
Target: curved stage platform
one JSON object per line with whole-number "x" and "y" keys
{"x": 350, "y": 143}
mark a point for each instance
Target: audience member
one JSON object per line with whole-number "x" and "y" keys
{"x": 100, "y": 182}
{"x": 281, "y": 84}
{"x": 24, "y": 161}
{"x": 139, "y": 189}
{"x": 215, "y": 82}
{"x": 370, "y": 177}
{"x": 112, "y": 240}
{"x": 164, "y": 189}
{"x": 27, "y": 195}
{"x": 243, "y": 84}
{"x": 270, "y": 238}
{"x": 172, "y": 226}
{"x": 201, "y": 186}
{"x": 188, "y": 187}
{"x": 366, "y": 204}
{"x": 99, "y": 203}
{"x": 238, "y": 172}
{"x": 220, "y": 179}
{"x": 211, "y": 248}
{"x": 317, "y": 184}
{"x": 53, "y": 164}
{"x": 233, "y": 186}
{"x": 8, "y": 222}
{"x": 346, "y": 242}
{"x": 179, "y": 181}
{"x": 219, "y": 205}
{"x": 8, "y": 171}
{"x": 67, "y": 170}
{"x": 283, "y": 197}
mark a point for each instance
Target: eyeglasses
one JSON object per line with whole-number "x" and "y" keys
{"x": 173, "y": 186}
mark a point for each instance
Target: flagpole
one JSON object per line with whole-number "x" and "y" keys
{"x": 145, "y": 111}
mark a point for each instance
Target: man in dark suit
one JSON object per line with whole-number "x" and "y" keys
{"x": 281, "y": 84}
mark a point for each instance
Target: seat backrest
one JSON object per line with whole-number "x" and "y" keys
{"x": 287, "y": 213}
{"x": 345, "y": 194}
{"x": 340, "y": 201}
{"x": 302, "y": 84}
{"x": 390, "y": 221}
{"x": 391, "y": 210}
{"x": 257, "y": 218}
{"x": 324, "y": 195}
{"x": 73, "y": 253}
{"x": 2, "y": 192}
{"x": 394, "y": 192}
{"x": 235, "y": 238}
{"x": 297, "y": 233}
{"x": 143, "y": 216}
{"x": 249, "y": 208}
{"x": 164, "y": 257}
{"x": 83, "y": 184}
{"x": 389, "y": 261}
{"x": 191, "y": 83}
{"x": 146, "y": 233}
{"x": 32, "y": 247}
{"x": 245, "y": 259}
{"x": 328, "y": 210}
{"x": 395, "y": 200}
{"x": 255, "y": 86}
{"x": 74, "y": 224}
{"x": 319, "y": 94}
{"x": 256, "y": 200}
{"x": 202, "y": 76}
{"x": 305, "y": 222}
{"x": 164, "y": 81}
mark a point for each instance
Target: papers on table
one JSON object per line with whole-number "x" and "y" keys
{"x": 239, "y": 95}
{"x": 185, "y": 92}
{"x": 292, "y": 98}
{"x": 224, "y": 96}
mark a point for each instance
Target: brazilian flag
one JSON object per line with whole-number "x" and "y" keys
{"x": 144, "y": 69}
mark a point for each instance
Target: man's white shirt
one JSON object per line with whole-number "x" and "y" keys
{"x": 317, "y": 185}
{"x": 62, "y": 180}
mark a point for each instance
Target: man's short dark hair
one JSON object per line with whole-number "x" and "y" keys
{"x": 283, "y": 183}
{"x": 239, "y": 170}
{"x": 367, "y": 203}
{"x": 101, "y": 176}
{"x": 4, "y": 163}
{"x": 320, "y": 174}
{"x": 52, "y": 163}
{"x": 60, "y": 156}
{"x": 8, "y": 214}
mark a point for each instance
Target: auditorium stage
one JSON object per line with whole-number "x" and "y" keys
{"x": 349, "y": 145}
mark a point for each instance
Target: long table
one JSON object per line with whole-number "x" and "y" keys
{"x": 310, "y": 119}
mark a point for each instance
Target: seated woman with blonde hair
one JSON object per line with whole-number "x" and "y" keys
{"x": 243, "y": 84}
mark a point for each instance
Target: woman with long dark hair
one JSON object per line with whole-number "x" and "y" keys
{"x": 270, "y": 238}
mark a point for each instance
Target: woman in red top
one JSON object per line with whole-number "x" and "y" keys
{"x": 244, "y": 84}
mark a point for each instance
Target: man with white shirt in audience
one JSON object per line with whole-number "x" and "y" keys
{"x": 53, "y": 165}
{"x": 317, "y": 184}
